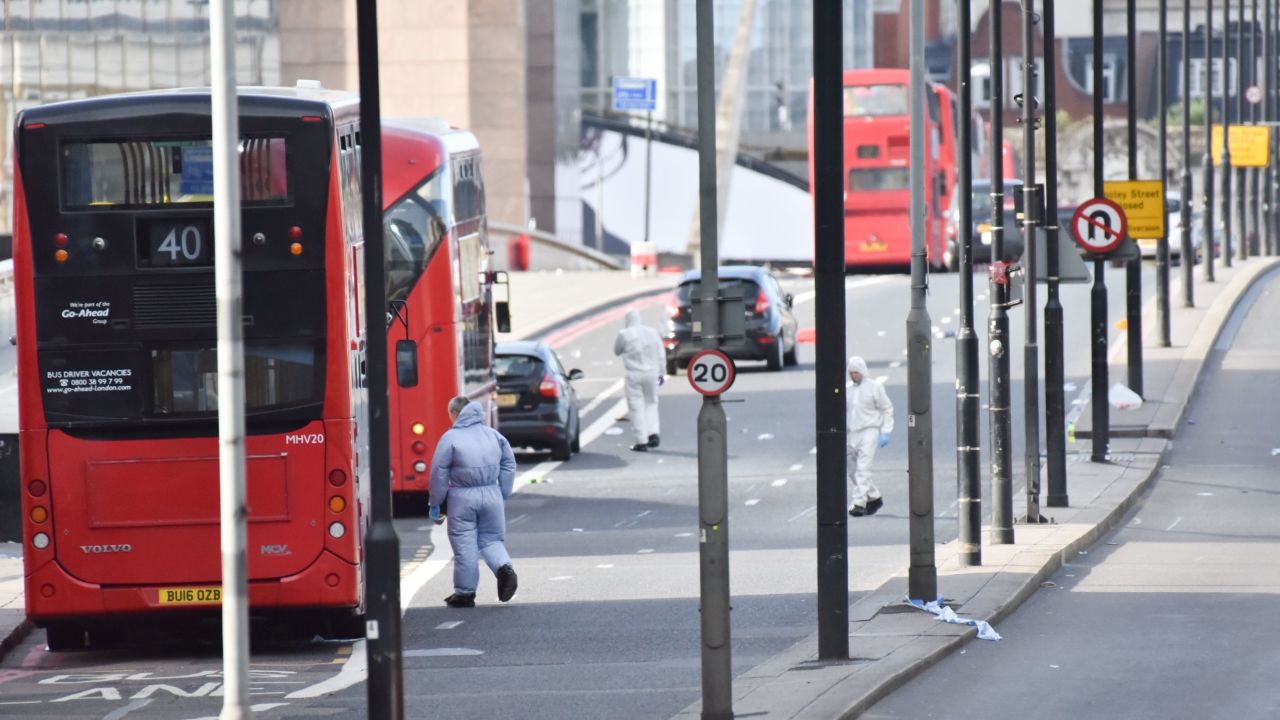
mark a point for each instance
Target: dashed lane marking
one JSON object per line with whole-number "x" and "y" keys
{"x": 779, "y": 482}
{"x": 449, "y": 625}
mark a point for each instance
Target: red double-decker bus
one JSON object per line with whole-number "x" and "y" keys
{"x": 440, "y": 287}
{"x": 877, "y": 156}
{"x": 113, "y": 267}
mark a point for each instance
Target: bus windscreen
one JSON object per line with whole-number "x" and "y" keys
{"x": 142, "y": 172}
{"x": 875, "y": 100}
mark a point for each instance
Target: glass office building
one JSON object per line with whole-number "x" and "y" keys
{"x": 63, "y": 49}
{"x": 657, "y": 39}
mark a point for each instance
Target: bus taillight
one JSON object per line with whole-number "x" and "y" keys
{"x": 37, "y": 488}
{"x": 337, "y": 477}
{"x": 39, "y": 514}
{"x": 295, "y": 233}
{"x": 337, "y": 504}
{"x": 295, "y": 249}
{"x": 61, "y": 240}
{"x": 40, "y": 541}
{"x": 419, "y": 447}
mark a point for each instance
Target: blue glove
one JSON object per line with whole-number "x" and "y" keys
{"x": 435, "y": 514}
{"x": 884, "y": 439}
{"x": 662, "y": 380}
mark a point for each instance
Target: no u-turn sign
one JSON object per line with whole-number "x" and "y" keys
{"x": 1099, "y": 226}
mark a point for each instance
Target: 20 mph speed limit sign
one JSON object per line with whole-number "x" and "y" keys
{"x": 711, "y": 372}
{"x": 1099, "y": 226}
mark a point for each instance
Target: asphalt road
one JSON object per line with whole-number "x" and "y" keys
{"x": 606, "y": 621}
{"x": 1167, "y": 616}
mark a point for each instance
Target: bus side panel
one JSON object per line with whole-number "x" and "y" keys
{"x": 432, "y": 324}
{"x": 338, "y": 400}
{"x": 30, "y": 404}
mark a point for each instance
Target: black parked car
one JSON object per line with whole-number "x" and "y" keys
{"x": 982, "y": 224}
{"x": 537, "y": 404}
{"x": 770, "y": 323}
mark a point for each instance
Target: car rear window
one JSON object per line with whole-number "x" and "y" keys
{"x": 750, "y": 291}
{"x": 516, "y": 367}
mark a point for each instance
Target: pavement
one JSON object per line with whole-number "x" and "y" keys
{"x": 541, "y": 301}
{"x": 890, "y": 642}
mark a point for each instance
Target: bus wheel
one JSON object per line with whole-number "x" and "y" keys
{"x": 62, "y": 636}
{"x": 344, "y": 624}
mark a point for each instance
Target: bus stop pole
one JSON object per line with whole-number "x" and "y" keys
{"x": 382, "y": 564}
{"x": 713, "y": 458}
{"x": 231, "y": 423}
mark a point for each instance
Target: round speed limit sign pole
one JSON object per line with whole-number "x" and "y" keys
{"x": 711, "y": 372}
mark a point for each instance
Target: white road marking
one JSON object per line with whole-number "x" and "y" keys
{"x": 813, "y": 450}
{"x": 753, "y": 501}
{"x": 1205, "y": 494}
{"x": 121, "y": 712}
{"x": 807, "y": 511}
{"x": 895, "y": 364}
{"x": 644, "y": 551}
{"x": 604, "y": 395}
{"x": 443, "y": 652}
{"x": 604, "y": 566}
{"x": 683, "y": 535}
{"x": 1174, "y": 524}
{"x": 559, "y": 578}
{"x": 779, "y": 482}
{"x": 883, "y": 379}
{"x": 642, "y": 514}
{"x": 449, "y": 625}
{"x": 809, "y": 295}
{"x": 797, "y": 467}
{"x": 765, "y": 436}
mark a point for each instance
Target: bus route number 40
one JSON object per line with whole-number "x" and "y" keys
{"x": 711, "y": 372}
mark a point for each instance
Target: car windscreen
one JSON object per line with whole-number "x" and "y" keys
{"x": 689, "y": 290}
{"x": 517, "y": 367}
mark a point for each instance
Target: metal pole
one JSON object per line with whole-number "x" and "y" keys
{"x": 382, "y": 565}
{"x": 1098, "y": 295}
{"x": 1188, "y": 252}
{"x": 1055, "y": 402}
{"x": 713, "y": 458}
{"x": 1226, "y": 133}
{"x": 1254, "y": 108}
{"x": 922, "y": 576}
{"x": 1210, "y": 225}
{"x": 1030, "y": 220}
{"x": 1162, "y": 244}
{"x": 1133, "y": 268}
{"x": 1242, "y": 73}
{"x": 1001, "y": 532}
{"x": 829, "y": 400}
{"x": 968, "y": 401}
{"x": 1268, "y": 115}
{"x": 231, "y": 423}
{"x": 648, "y": 169}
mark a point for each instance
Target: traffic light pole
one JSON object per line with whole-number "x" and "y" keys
{"x": 1098, "y": 295}
{"x": 1055, "y": 402}
{"x": 922, "y": 575}
{"x": 1001, "y": 532}
{"x": 713, "y": 457}
{"x": 968, "y": 405}
{"x": 1030, "y": 220}
{"x": 829, "y": 399}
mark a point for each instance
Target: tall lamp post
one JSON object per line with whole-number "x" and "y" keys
{"x": 998, "y": 323}
{"x": 1055, "y": 405}
{"x": 1030, "y": 220}
{"x": 1188, "y": 252}
{"x": 1210, "y": 227}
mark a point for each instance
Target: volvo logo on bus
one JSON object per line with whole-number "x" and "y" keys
{"x": 104, "y": 549}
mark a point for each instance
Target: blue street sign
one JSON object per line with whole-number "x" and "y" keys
{"x": 634, "y": 94}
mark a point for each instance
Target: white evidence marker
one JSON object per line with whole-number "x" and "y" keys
{"x": 765, "y": 436}
{"x": 813, "y": 450}
{"x": 644, "y": 551}
{"x": 560, "y": 577}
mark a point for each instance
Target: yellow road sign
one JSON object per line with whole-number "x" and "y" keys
{"x": 1250, "y": 145}
{"x": 1142, "y": 204}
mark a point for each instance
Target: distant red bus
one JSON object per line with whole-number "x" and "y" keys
{"x": 877, "y": 155}
{"x": 116, "y": 335}
{"x": 440, "y": 287}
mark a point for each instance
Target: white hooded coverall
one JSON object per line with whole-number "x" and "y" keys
{"x": 643, "y": 358}
{"x": 869, "y": 414}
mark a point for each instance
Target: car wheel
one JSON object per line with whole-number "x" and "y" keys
{"x": 790, "y": 358}
{"x": 775, "y": 358}
{"x": 561, "y": 450}
{"x": 671, "y": 366}
{"x": 576, "y": 445}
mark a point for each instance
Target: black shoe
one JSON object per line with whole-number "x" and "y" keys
{"x": 874, "y": 505}
{"x": 640, "y": 448}
{"x": 506, "y": 582}
{"x": 857, "y": 511}
{"x": 461, "y": 600}
{"x": 653, "y": 440}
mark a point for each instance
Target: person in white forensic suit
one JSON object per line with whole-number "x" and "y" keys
{"x": 870, "y": 420}
{"x": 643, "y": 358}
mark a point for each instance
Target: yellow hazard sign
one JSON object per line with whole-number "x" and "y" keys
{"x": 1250, "y": 145}
{"x": 1142, "y": 202}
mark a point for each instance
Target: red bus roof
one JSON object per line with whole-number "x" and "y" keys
{"x": 414, "y": 148}
{"x": 877, "y": 76}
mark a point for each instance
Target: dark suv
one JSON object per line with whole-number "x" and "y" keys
{"x": 770, "y": 323}
{"x": 537, "y": 404}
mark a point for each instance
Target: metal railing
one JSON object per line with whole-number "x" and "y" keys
{"x": 547, "y": 251}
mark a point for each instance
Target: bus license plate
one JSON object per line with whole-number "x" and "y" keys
{"x": 507, "y": 399}
{"x": 191, "y": 596}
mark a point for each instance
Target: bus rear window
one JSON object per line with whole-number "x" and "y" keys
{"x": 139, "y": 172}
{"x": 275, "y": 377}
{"x": 875, "y": 100}
{"x": 877, "y": 179}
